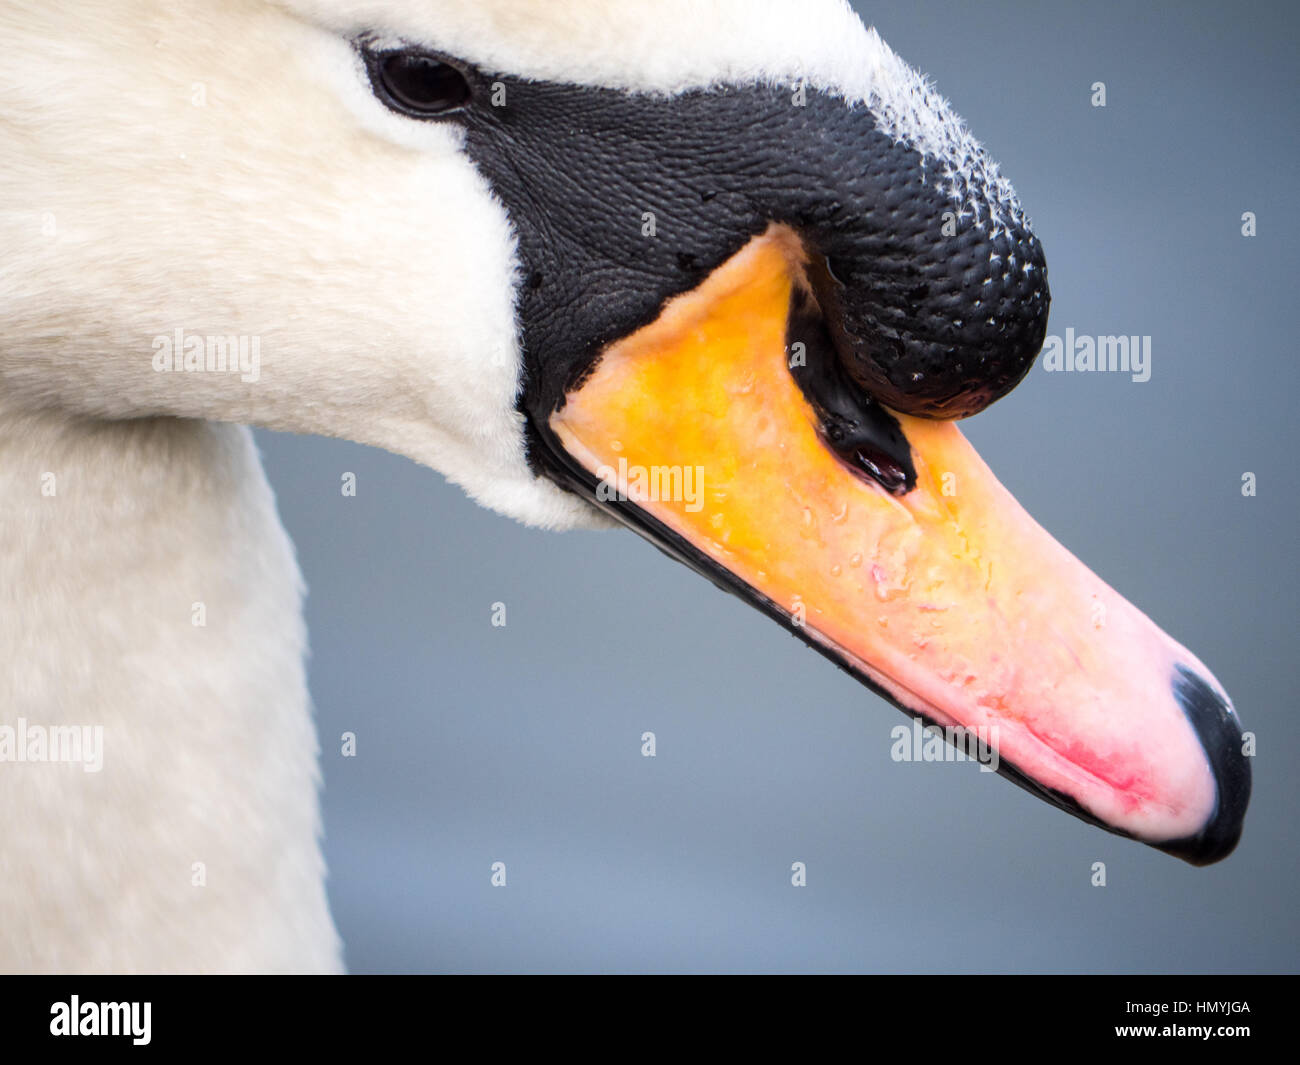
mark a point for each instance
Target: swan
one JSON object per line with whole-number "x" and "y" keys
{"x": 726, "y": 273}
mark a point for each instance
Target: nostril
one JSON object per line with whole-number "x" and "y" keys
{"x": 865, "y": 437}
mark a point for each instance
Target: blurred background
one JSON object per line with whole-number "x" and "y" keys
{"x": 522, "y": 744}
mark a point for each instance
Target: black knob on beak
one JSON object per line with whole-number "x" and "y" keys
{"x": 954, "y": 327}
{"x": 935, "y": 288}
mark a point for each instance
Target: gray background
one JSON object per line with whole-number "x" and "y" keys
{"x": 521, "y": 744}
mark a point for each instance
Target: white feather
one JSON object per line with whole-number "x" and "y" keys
{"x": 220, "y": 167}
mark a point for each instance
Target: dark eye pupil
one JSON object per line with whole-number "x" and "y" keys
{"x": 421, "y": 83}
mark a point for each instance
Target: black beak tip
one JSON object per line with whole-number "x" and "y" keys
{"x": 1219, "y": 730}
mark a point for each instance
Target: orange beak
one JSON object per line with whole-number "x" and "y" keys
{"x": 935, "y": 587}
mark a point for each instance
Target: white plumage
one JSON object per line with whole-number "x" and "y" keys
{"x": 221, "y": 167}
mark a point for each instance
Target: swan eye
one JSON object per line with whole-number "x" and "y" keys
{"x": 417, "y": 84}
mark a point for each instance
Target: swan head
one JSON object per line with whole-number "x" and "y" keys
{"x": 568, "y": 253}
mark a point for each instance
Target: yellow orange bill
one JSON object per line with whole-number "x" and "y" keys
{"x": 941, "y": 592}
